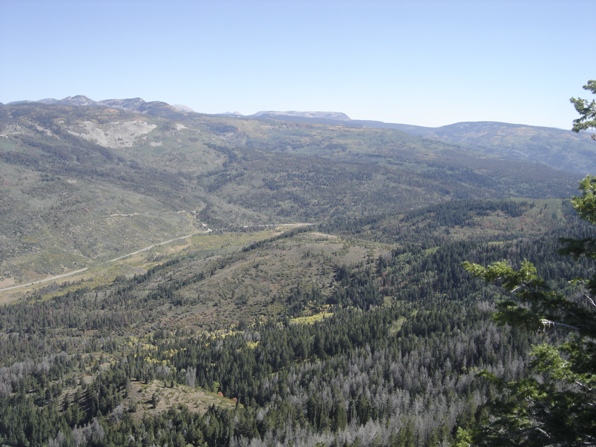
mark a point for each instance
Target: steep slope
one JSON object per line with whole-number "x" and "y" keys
{"x": 302, "y": 337}
{"x": 86, "y": 182}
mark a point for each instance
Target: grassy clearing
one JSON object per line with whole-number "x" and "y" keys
{"x": 311, "y": 319}
{"x": 397, "y": 325}
{"x": 141, "y": 398}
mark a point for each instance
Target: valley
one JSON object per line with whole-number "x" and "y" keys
{"x": 312, "y": 294}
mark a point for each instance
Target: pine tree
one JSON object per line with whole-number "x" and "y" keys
{"x": 555, "y": 403}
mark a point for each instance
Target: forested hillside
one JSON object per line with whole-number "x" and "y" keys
{"x": 82, "y": 184}
{"x": 371, "y": 349}
{"x": 309, "y": 290}
{"x": 557, "y": 148}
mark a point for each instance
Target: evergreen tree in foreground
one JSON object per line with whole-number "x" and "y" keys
{"x": 555, "y": 404}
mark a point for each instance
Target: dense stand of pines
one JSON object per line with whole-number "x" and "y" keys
{"x": 394, "y": 362}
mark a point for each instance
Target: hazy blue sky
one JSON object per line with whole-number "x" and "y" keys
{"x": 417, "y": 62}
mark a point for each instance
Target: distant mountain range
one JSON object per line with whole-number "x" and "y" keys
{"x": 558, "y": 148}
{"x": 135, "y": 105}
{"x": 90, "y": 180}
{"x": 307, "y": 115}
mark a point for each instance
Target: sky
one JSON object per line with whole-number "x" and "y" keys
{"x": 421, "y": 62}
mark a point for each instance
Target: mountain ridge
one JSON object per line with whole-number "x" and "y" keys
{"x": 135, "y": 105}
{"x": 557, "y": 148}
{"x": 138, "y": 104}
{"x": 84, "y": 184}
{"x": 311, "y": 114}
